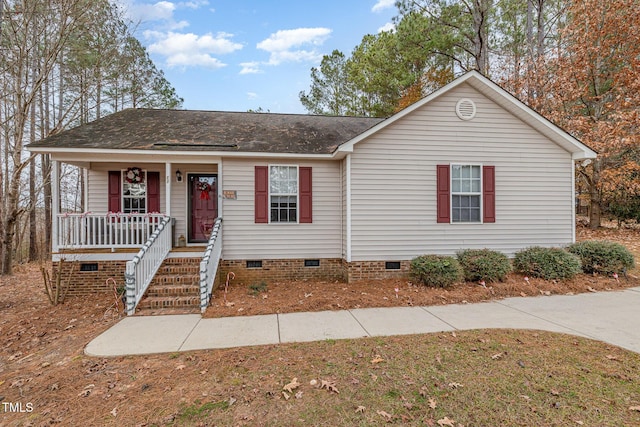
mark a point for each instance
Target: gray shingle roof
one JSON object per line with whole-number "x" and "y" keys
{"x": 183, "y": 130}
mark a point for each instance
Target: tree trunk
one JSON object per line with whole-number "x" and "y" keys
{"x": 33, "y": 230}
{"x": 595, "y": 207}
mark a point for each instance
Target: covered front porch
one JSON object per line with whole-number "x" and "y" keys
{"x": 124, "y": 200}
{"x": 138, "y": 212}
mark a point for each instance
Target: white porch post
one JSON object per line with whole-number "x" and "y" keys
{"x": 85, "y": 178}
{"x": 348, "y": 185}
{"x": 220, "y": 195}
{"x": 167, "y": 189}
{"x": 55, "y": 204}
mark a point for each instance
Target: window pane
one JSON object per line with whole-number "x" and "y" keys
{"x": 464, "y": 215}
{"x": 455, "y": 171}
{"x": 464, "y": 201}
{"x": 475, "y": 187}
{"x": 475, "y": 215}
{"x": 274, "y": 179}
{"x": 474, "y": 201}
{"x": 455, "y": 201}
{"x": 455, "y": 186}
{"x": 466, "y": 186}
{"x": 466, "y": 171}
{"x": 455, "y": 215}
{"x": 475, "y": 172}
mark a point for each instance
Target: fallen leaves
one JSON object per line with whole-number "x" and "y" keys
{"x": 294, "y": 384}
{"x": 446, "y": 421}
{"x": 377, "y": 359}
{"x": 387, "y": 416}
{"x": 329, "y": 385}
{"x": 634, "y": 408}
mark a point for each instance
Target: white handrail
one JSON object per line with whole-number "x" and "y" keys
{"x": 140, "y": 271}
{"x": 104, "y": 230}
{"x": 209, "y": 264}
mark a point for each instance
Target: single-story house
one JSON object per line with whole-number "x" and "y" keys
{"x": 301, "y": 196}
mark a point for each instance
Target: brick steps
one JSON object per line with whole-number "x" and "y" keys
{"x": 175, "y": 288}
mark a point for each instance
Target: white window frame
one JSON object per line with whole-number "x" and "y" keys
{"x": 297, "y": 167}
{"x": 461, "y": 193}
{"x": 123, "y": 181}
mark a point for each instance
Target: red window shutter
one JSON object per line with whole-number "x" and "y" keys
{"x": 261, "y": 194}
{"x": 306, "y": 199}
{"x": 443, "y": 194}
{"x": 114, "y": 191}
{"x": 153, "y": 192}
{"x": 489, "y": 193}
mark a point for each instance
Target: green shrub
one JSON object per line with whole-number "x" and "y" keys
{"x": 436, "y": 271}
{"x": 547, "y": 263}
{"x": 599, "y": 256}
{"x": 484, "y": 264}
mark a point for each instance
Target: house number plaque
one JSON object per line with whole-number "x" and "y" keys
{"x": 230, "y": 194}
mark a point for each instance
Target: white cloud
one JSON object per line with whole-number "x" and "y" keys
{"x": 382, "y": 5}
{"x": 252, "y": 95}
{"x": 193, "y": 60}
{"x": 160, "y": 11}
{"x": 250, "y": 68}
{"x": 188, "y": 49}
{"x": 281, "y": 44}
{"x": 193, "y": 4}
{"x": 389, "y": 26}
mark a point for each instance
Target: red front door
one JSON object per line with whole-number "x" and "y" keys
{"x": 203, "y": 206}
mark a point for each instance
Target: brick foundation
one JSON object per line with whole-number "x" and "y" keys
{"x": 88, "y": 282}
{"x": 283, "y": 269}
{"x": 363, "y": 270}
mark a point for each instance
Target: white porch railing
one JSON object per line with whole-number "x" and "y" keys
{"x": 106, "y": 230}
{"x": 145, "y": 264}
{"x": 209, "y": 264}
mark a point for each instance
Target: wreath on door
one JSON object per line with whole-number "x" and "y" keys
{"x": 134, "y": 175}
{"x": 204, "y": 188}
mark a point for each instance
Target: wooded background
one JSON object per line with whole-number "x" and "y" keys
{"x": 67, "y": 62}
{"x": 62, "y": 63}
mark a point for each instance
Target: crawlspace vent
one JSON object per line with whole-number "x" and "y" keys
{"x": 466, "y": 109}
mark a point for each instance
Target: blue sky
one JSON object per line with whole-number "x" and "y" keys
{"x": 235, "y": 55}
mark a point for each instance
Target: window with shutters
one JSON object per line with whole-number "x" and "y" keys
{"x": 466, "y": 193}
{"x": 283, "y": 193}
{"x": 134, "y": 194}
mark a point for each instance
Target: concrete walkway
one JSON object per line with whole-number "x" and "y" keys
{"x": 612, "y": 317}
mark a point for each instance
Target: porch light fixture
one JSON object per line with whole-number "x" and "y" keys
{"x": 178, "y": 176}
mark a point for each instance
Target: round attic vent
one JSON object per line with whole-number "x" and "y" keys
{"x": 466, "y": 109}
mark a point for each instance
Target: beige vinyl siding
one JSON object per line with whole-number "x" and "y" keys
{"x": 394, "y": 183}
{"x": 244, "y": 239}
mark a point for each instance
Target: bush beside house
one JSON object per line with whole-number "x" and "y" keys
{"x": 547, "y": 263}
{"x": 484, "y": 264}
{"x": 436, "y": 271}
{"x": 602, "y": 257}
